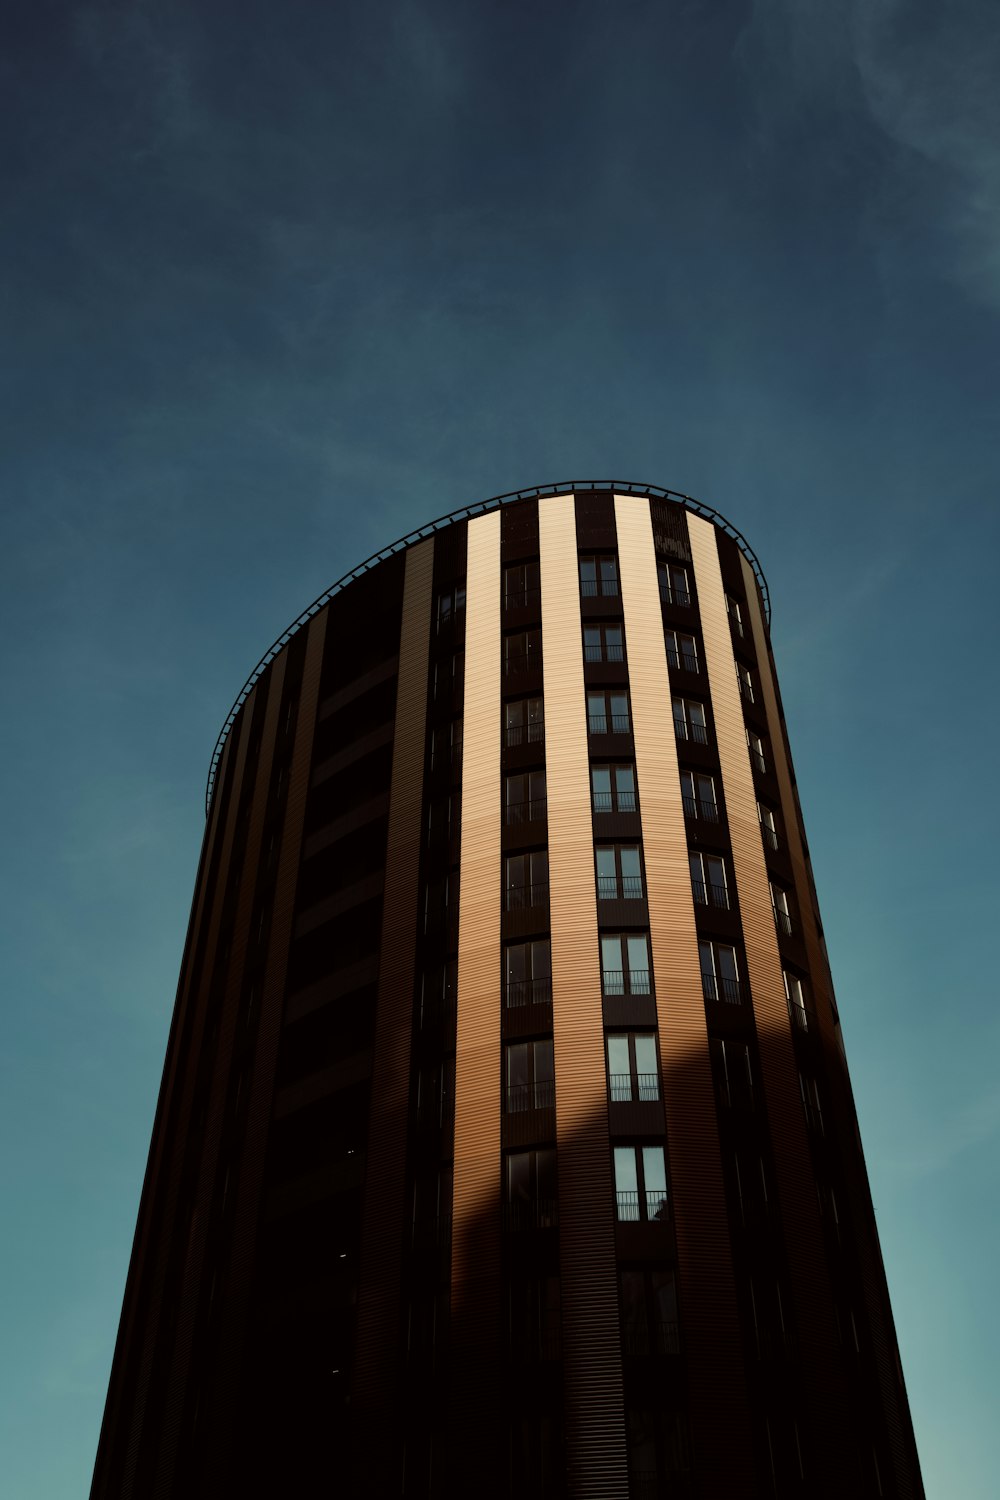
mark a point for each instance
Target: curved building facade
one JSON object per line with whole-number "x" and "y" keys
{"x": 505, "y": 1145}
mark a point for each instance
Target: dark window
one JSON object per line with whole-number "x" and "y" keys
{"x": 532, "y": 1194}
{"x": 673, "y": 584}
{"x": 522, "y": 585}
{"x": 451, "y": 604}
{"x": 755, "y": 745}
{"x": 536, "y": 1457}
{"x": 682, "y": 651}
{"x": 744, "y": 678}
{"x": 689, "y": 720}
{"x": 603, "y": 643}
{"x": 534, "y": 1319}
{"x": 782, "y": 907}
{"x": 708, "y": 880}
{"x": 735, "y": 614}
{"x": 720, "y": 974}
{"x": 811, "y": 1102}
{"x": 768, "y": 825}
{"x": 524, "y": 797}
{"x": 446, "y": 745}
{"x": 733, "y": 1077}
{"x": 522, "y": 652}
{"x": 698, "y": 796}
{"x": 524, "y": 722}
{"x": 598, "y": 575}
{"x": 795, "y": 994}
{"x": 633, "y": 1067}
{"x": 443, "y": 816}
{"x": 613, "y": 788}
{"x": 440, "y": 901}
{"x": 528, "y": 973}
{"x": 625, "y": 964}
{"x": 640, "y": 1183}
{"x": 608, "y": 713}
{"x": 619, "y": 872}
{"x": 530, "y": 1076}
{"x": 526, "y": 880}
{"x": 432, "y": 1208}
{"x": 437, "y": 994}
{"x": 649, "y": 1312}
{"x": 449, "y": 673}
{"x": 436, "y": 1093}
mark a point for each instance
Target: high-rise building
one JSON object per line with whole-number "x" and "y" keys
{"x": 505, "y": 1145}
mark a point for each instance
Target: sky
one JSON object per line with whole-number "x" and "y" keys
{"x": 280, "y": 282}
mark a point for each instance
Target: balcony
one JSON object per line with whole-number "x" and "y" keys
{"x": 759, "y": 764}
{"x": 682, "y": 661}
{"x": 524, "y": 897}
{"x": 770, "y": 837}
{"x": 606, "y": 652}
{"x": 697, "y": 807}
{"x": 524, "y": 1096}
{"x": 799, "y": 1017}
{"x": 520, "y": 662}
{"x": 524, "y": 734}
{"x": 710, "y": 894}
{"x": 523, "y": 599}
{"x": 728, "y": 991}
{"x": 532, "y": 810}
{"x": 670, "y": 595}
{"x": 626, "y": 982}
{"x": 685, "y": 730}
{"x": 627, "y": 1088}
{"x": 634, "y": 1207}
{"x": 531, "y": 1213}
{"x": 592, "y": 588}
{"x": 604, "y": 802}
{"x": 627, "y": 888}
{"x": 609, "y": 723}
{"x": 528, "y": 992}
{"x": 782, "y": 921}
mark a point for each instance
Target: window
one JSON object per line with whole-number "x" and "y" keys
{"x": 708, "y": 880}
{"x": 521, "y": 585}
{"x": 768, "y": 825}
{"x": 625, "y": 965}
{"x": 673, "y": 584}
{"x": 598, "y": 576}
{"x": 437, "y": 994}
{"x": 608, "y": 713}
{"x": 756, "y": 747}
{"x": 744, "y": 678}
{"x": 526, "y": 880}
{"x": 811, "y": 1103}
{"x": 659, "y": 1449}
{"x": 782, "y": 909}
{"x": 751, "y": 1187}
{"x": 524, "y": 797}
{"x": 613, "y": 788}
{"x": 640, "y": 1183}
{"x": 735, "y": 614}
{"x": 451, "y": 604}
{"x": 682, "y": 651}
{"x": 524, "y": 722}
{"x": 440, "y": 901}
{"x": 795, "y": 994}
{"x": 443, "y": 815}
{"x": 633, "y": 1068}
{"x": 449, "y": 675}
{"x": 446, "y": 745}
{"x": 733, "y": 1075}
{"x": 528, "y": 973}
{"x": 689, "y": 721}
{"x": 534, "y": 1319}
{"x": 532, "y": 1195}
{"x": 720, "y": 975}
{"x": 530, "y": 1076}
{"x": 698, "y": 796}
{"x": 649, "y": 1312}
{"x": 432, "y": 1208}
{"x": 603, "y": 643}
{"x": 522, "y": 652}
{"x": 436, "y": 1093}
{"x": 619, "y": 873}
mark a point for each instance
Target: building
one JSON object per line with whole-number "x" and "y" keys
{"x": 505, "y": 1144}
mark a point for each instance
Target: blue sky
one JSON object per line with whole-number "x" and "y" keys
{"x": 279, "y": 282}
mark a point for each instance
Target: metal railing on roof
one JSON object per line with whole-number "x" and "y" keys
{"x": 468, "y": 513}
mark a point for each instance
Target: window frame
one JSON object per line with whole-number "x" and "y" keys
{"x": 642, "y": 1197}
{"x": 605, "y": 650}
{"x": 536, "y": 866}
{"x": 643, "y": 1085}
{"x": 609, "y": 720}
{"x": 693, "y": 804}
{"x": 615, "y": 792}
{"x": 629, "y": 982}
{"x": 707, "y": 892}
{"x": 605, "y": 583}
{"x": 538, "y": 1090}
{"x": 681, "y": 659}
{"x": 719, "y": 988}
{"x": 531, "y": 729}
{"x": 534, "y": 987}
{"x": 673, "y": 590}
{"x": 692, "y": 730}
{"x": 536, "y": 800}
{"x": 630, "y": 887}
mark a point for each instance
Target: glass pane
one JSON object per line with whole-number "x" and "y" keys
{"x": 536, "y": 786}
{"x": 626, "y": 1180}
{"x": 696, "y": 713}
{"x": 595, "y": 704}
{"x": 706, "y": 789}
{"x": 539, "y": 868}
{"x": 611, "y": 953}
{"x": 707, "y": 958}
{"x": 544, "y": 1064}
{"x": 609, "y": 568}
{"x": 619, "y": 704}
{"x": 534, "y": 710}
{"x": 716, "y": 870}
{"x": 517, "y": 1065}
{"x": 606, "y": 863}
{"x": 592, "y": 638}
{"x": 625, "y": 780}
{"x": 645, "y": 1055}
{"x": 515, "y": 715}
{"x": 638, "y": 953}
{"x": 541, "y": 963}
{"x": 613, "y": 635}
{"x": 588, "y": 569}
{"x": 634, "y": 1312}
{"x": 515, "y": 871}
{"x": 545, "y": 1166}
{"x": 618, "y": 1056}
{"x": 694, "y": 860}
{"x": 519, "y": 1176}
{"x": 727, "y": 963}
{"x": 515, "y": 789}
{"x": 600, "y": 780}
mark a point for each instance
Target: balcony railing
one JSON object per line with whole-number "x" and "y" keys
{"x": 522, "y": 661}
{"x": 759, "y": 764}
{"x": 682, "y": 661}
{"x": 617, "y": 723}
{"x": 528, "y": 992}
{"x": 523, "y": 897}
{"x": 634, "y": 1207}
{"x": 626, "y": 982}
{"x": 711, "y": 894}
{"x": 611, "y": 888}
{"x": 783, "y": 921}
{"x": 798, "y": 1015}
{"x": 697, "y": 807}
{"x": 522, "y": 598}
{"x": 685, "y": 729}
{"x": 627, "y": 1087}
{"x": 769, "y": 835}
{"x": 716, "y": 988}
{"x": 524, "y": 734}
{"x": 532, "y": 809}
{"x": 604, "y": 802}
{"x": 814, "y": 1116}
{"x": 669, "y": 595}
{"x": 531, "y": 1213}
{"x": 607, "y": 652}
{"x": 524, "y": 1096}
{"x": 432, "y": 1229}
{"x": 592, "y": 588}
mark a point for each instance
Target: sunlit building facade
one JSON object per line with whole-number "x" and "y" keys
{"x": 505, "y": 1145}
